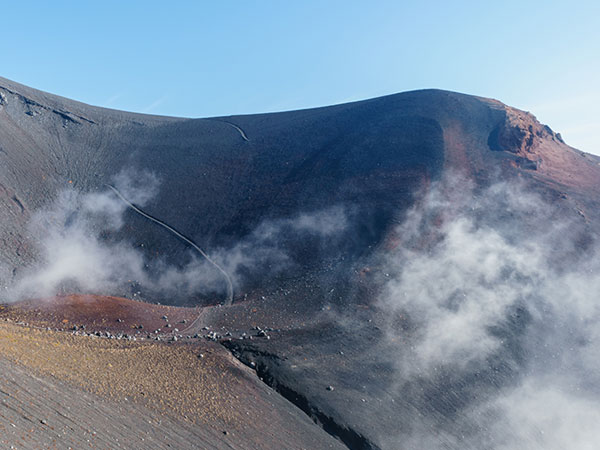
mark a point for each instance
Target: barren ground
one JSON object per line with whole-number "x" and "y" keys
{"x": 59, "y": 388}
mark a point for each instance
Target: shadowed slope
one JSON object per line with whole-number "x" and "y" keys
{"x": 367, "y": 156}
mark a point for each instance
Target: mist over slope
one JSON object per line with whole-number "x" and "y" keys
{"x": 430, "y": 256}
{"x": 219, "y": 184}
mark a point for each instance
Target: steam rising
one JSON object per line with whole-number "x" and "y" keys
{"x": 76, "y": 256}
{"x": 493, "y": 297}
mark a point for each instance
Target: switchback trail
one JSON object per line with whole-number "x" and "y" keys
{"x": 229, "y": 300}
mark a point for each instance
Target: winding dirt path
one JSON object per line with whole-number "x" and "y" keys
{"x": 229, "y": 299}
{"x": 242, "y": 132}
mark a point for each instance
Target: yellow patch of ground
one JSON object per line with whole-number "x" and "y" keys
{"x": 171, "y": 378}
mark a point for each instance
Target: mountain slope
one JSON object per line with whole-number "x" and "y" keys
{"x": 218, "y": 184}
{"x": 321, "y": 216}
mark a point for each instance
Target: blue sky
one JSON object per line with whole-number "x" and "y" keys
{"x": 202, "y": 58}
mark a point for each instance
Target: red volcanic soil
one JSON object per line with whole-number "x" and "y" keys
{"x": 99, "y": 313}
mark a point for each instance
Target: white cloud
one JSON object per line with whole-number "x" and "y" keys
{"x": 496, "y": 274}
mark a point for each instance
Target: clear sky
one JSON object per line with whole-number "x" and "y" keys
{"x": 220, "y": 57}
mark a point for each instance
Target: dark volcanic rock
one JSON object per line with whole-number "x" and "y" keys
{"x": 368, "y": 157}
{"x": 222, "y": 177}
